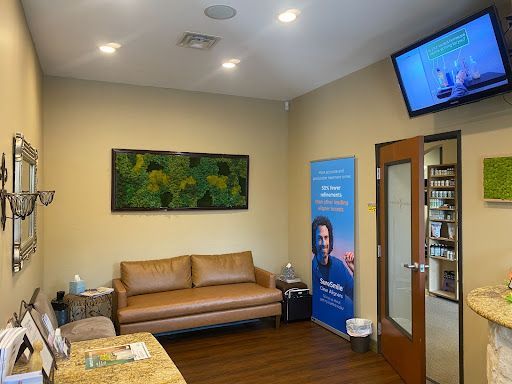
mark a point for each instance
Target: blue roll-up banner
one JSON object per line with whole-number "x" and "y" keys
{"x": 332, "y": 242}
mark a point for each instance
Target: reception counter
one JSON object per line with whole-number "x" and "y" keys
{"x": 490, "y": 303}
{"x": 158, "y": 369}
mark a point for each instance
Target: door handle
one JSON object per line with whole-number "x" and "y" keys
{"x": 412, "y": 267}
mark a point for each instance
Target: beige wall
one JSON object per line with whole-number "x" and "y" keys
{"x": 20, "y": 111}
{"x": 348, "y": 117}
{"x": 84, "y": 120}
{"x": 448, "y": 148}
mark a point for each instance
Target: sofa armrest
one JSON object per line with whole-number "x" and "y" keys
{"x": 120, "y": 295}
{"x": 119, "y": 299}
{"x": 264, "y": 278}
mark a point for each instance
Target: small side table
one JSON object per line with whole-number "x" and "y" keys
{"x": 81, "y": 307}
{"x": 294, "y": 308}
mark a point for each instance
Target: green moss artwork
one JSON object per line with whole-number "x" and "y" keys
{"x": 498, "y": 178}
{"x": 161, "y": 180}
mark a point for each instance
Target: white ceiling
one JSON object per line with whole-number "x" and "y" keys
{"x": 330, "y": 39}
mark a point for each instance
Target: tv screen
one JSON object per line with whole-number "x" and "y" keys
{"x": 460, "y": 64}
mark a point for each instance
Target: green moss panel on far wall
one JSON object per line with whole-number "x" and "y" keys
{"x": 498, "y": 178}
{"x": 168, "y": 180}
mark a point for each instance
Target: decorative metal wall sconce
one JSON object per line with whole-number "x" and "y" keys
{"x": 22, "y": 203}
{"x": 22, "y": 200}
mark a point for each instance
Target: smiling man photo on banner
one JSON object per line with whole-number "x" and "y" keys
{"x": 333, "y": 279}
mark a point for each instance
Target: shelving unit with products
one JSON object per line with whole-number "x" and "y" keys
{"x": 442, "y": 227}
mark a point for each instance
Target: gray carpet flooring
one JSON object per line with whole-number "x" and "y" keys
{"x": 442, "y": 336}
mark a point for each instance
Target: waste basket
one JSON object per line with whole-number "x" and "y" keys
{"x": 359, "y": 331}
{"x": 60, "y": 308}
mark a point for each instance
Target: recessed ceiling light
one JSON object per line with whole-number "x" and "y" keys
{"x": 288, "y": 16}
{"x": 220, "y": 12}
{"x": 230, "y": 64}
{"x": 110, "y": 47}
{"x": 107, "y": 49}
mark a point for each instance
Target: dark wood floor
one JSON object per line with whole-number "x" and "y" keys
{"x": 297, "y": 353}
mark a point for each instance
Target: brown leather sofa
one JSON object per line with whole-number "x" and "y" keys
{"x": 194, "y": 291}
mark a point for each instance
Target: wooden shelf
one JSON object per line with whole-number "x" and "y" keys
{"x": 441, "y": 258}
{"x": 443, "y": 239}
{"x": 445, "y": 294}
{"x": 439, "y": 265}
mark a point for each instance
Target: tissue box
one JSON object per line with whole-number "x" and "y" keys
{"x": 76, "y": 287}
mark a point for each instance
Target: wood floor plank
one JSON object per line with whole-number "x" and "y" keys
{"x": 256, "y": 353}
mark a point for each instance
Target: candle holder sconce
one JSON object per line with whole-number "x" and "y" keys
{"x": 22, "y": 203}
{"x": 23, "y": 200}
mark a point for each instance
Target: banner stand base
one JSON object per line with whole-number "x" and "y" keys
{"x": 329, "y": 328}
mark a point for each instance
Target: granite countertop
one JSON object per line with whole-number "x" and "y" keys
{"x": 489, "y": 302}
{"x": 158, "y": 369}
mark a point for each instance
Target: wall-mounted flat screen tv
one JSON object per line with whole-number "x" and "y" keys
{"x": 462, "y": 63}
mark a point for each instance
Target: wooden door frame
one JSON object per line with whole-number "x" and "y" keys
{"x": 429, "y": 139}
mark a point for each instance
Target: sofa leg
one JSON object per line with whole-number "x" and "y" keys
{"x": 278, "y": 321}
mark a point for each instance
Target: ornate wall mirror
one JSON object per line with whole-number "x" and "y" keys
{"x": 25, "y": 180}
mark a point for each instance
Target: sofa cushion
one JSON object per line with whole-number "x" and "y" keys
{"x": 151, "y": 276}
{"x": 164, "y": 305}
{"x": 230, "y": 268}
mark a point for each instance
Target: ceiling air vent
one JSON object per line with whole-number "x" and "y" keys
{"x": 197, "y": 40}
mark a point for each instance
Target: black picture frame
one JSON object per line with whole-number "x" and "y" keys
{"x": 28, "y": 322}
{"x": 142, "y": 180}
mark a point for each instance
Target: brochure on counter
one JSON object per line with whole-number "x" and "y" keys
{"x": 121, "y": 354}
{"x": 10, "y": 342}
{"x": 25, "y": 378}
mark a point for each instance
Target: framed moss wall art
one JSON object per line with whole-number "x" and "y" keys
{"x": 145, "y": 180}
{"x": 497, "y": 175}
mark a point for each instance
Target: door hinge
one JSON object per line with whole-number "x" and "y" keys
{"x": 379, "y": 328}
{"x": 378, "y": 173}
{"x": 378, "y": 251}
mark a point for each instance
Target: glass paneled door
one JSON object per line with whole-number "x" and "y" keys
{"x": 402, "y": 258}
